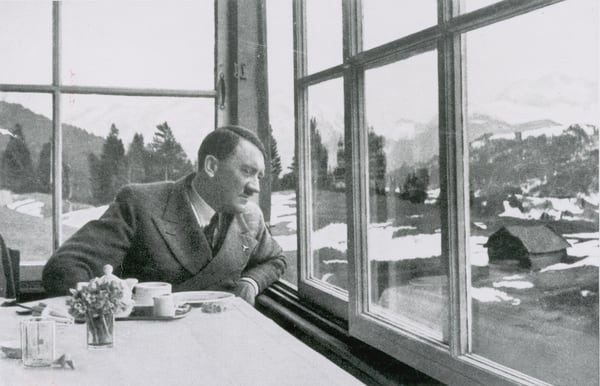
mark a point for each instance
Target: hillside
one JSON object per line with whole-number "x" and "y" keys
{"x": 37, "y": 129}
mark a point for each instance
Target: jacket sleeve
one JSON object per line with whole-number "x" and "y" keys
{"x": 267, "y": 262}
{"x": 97, "y": 243}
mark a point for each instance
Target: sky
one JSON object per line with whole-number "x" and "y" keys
{"x": 542, "y": 65}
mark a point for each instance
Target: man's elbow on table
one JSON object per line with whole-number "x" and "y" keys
{"x": 59, "y": 276}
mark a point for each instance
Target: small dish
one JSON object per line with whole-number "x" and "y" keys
{"x": 198, "y": 298}
{"x": 147, "y": 313}
{"x": 12, "y": 349}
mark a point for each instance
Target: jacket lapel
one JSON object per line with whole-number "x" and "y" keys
{"x": 181, "y": 231}
{"x": 231, "y": 259}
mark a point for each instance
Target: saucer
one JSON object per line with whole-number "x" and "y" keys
{"x": 147, "y": 313}
{"x": 198, "y": 298}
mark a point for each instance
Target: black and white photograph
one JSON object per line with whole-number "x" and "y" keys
{"x": 299, "y": 192}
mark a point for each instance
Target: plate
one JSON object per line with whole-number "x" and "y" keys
{"x": 147, "y": 313}
{"x": 197, "y": 298}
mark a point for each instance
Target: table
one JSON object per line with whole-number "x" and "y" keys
{"x": 239, "y": 346}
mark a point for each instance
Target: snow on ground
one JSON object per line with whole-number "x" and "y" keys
{"x": 513, "y": 277}
{"x": 283, "y": 210}
{"x": 589, "y": 261}
{"x": 492, "y": 295}
{"x": 78, "y": 218}
{"x": 557, "y": 208}
{"x": 28, "y": 206}
{"x": 477, "y": 252}
{"x": 588, "y": 235}
{"x": 517, "y": 284}
{"x": 585, "y": 248}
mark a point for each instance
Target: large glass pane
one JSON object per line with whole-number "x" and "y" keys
{"x": 25, "y": 205}
{"x": 532, "y": 128}
{"x": 138, "y": 44}
{"x": 471, "y": 5}
{"x": 408, "y": 279}
{"x": 280, "y": 53}
{"x": 327, "y": 184}
{"x": 386, "y": 20}
{"x": 323, "y": 34}
{"x": 26, "y": 42}
{"x": 110, "y": 141}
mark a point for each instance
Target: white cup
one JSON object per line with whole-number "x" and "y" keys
{"x": 164, "y": 305}
{"x": 145, "y": 292}
{"x": 81, "y": 284}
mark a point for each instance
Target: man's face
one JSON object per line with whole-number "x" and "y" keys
{"x": 237, "y": 177}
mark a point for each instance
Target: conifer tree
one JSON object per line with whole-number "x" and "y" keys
{"x": 44, "y": 169}
{"x": 137, "y": 158}
{"x": 275, "y": 162}
{"x": 167, "y": 158}
{"x": 16, "y": 168}
{"x": 109, "y": 172}
{"x": 44, "y": 173}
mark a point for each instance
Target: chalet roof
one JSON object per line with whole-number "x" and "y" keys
{"x": 537, "y": 238}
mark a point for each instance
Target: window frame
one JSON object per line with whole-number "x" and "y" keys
{"x": 31, "y": 272}
{"x": 450, "y": 362}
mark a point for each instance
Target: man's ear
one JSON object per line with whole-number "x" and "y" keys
{"x": 211, "y": 164}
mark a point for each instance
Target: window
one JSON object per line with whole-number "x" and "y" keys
{"x": 468, "y": 191}
{"x": 280, "y": 51}
{"x": 93, "y": 109}
{"x": 533, "y": 239}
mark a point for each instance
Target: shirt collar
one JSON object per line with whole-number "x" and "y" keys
{"x": 204, "y": 212}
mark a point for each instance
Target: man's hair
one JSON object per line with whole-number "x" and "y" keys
{"x": 221, "y": 143}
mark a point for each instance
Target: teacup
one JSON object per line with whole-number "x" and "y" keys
{"x": 146, "y": 291}
{"x": 164, "y": 306}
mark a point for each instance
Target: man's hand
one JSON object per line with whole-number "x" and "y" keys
{"x": 246, "y": 291}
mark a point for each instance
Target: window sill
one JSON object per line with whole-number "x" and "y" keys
{"x": 330, "y": 338}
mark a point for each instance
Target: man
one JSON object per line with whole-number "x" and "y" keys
{"x": 200, "y": 232}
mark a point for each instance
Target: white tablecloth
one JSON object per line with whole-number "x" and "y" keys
{"x": 237, "y": 347}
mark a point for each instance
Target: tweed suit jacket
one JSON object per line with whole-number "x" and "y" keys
{"x": 149, "y": 232}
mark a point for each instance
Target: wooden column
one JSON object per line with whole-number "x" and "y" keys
{"x": 241, "y": 75}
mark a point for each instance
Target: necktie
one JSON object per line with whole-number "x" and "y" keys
{"x": 211, "y": 229}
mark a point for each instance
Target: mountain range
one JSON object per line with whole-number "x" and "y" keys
{"x": 37, "y": 130}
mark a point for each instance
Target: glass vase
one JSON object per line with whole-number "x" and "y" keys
{"x": 100, "y": 331}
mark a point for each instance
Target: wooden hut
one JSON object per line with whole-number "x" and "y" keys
{"x": 533, "y": 246}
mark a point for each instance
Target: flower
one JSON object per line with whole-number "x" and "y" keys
{"x": 98, "y": 297}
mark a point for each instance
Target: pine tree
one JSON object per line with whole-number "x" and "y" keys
{"x": 109, "y": 172}
{"x": 339, "y": 172}
{"x": 95, "y": 180}
{"x": 167, "y": 159}
{"x": 17, "y": 169}
{"x": 137, "y": 158}
{"x": 44, "y": 173}
{"x": 377, "y": 162}
{"x": 44, "y": 169}
{"x": 319, "y": 157}
{"x": 276, "y": 168}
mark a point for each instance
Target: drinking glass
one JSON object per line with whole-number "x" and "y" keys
{"x": 37, "y": 342}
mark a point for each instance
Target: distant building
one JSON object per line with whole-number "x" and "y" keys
{"x": 534, "y": 246}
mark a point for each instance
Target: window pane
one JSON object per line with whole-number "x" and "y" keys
{"x": 26, "y": 42}
{"x": 25, "y": 206}
{"x": 109, "y": 141}
{"x": 138, "y": 44}
{"x": 387, "y": 20}
{"x": 280, "y": 53}
{"x": 533, "y": 183}
{"x": 323, "y": 34}
{"x": 408, "y": 281}
{"x": 327, "y": 183}
{"x": 471, "y": 5}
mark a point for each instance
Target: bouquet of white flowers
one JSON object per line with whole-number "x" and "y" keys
{"x": 97, "y": 302}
